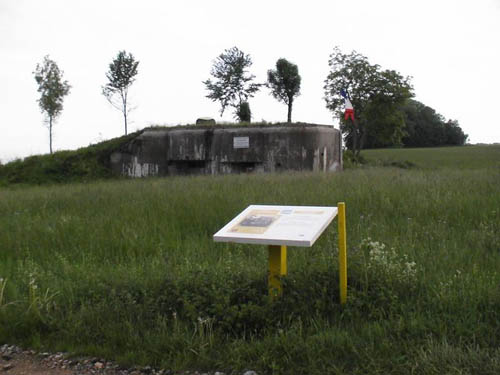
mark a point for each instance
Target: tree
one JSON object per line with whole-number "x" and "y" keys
{"x": 284, "y": 83}
{"x": 454, "y": 133}
{"x": 427, "y": 128}
{"x": 386, "y": 124}
{"x": 376, "y": 95}
{"x": 52, "y": 91}
{"x": 121, "y": 76}
{"x": 233, "y": 84}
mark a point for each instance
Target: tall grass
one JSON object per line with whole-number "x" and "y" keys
{"x": 128, "y": 270}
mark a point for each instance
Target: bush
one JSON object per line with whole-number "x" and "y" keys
{"x": 350, "y": 160}
{"x": 244, "y": 114}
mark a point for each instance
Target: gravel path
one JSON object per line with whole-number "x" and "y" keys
{"x": 16, "y": 361}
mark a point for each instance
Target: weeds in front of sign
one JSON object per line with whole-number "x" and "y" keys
{"x": 3, "y": 304}
{"x": 387, "y": 264}
{"x": 39, "y": 304}
{"x": 128, "y": 270}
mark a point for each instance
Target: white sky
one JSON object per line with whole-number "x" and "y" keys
{"x": 450, "y": 48}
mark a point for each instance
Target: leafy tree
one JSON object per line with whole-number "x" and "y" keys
{"x": 121, "y": 75}
{"x": 427, "y": 128}
{"x": 386, "y": 124}
{"x": 424, "y": 125}
{"x": 377, "y": 97}
{"x": 232, "y": 83}
{"x": 52, "y": 91}
{"x": 454, "y": 133}
{"x": 284, "y": 83}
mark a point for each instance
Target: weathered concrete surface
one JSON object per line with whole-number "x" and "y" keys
{"x": 214, "y": 150}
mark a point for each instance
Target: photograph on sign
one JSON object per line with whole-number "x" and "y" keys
{"x": 256, "y": 222}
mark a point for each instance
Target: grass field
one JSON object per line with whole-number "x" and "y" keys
{"x": 127, "y": 270}
{"x": 468, "y": 157}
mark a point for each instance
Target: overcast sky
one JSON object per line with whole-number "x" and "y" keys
{"x": 450, "y": 48}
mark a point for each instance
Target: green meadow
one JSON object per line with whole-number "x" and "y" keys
{"x": 127, "y": 270}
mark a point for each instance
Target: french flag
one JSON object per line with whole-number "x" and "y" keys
{"x": 349, "y": 110}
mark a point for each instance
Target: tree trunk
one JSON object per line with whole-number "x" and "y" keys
{"x": 125, "y": 117}
{"x": 289, "y": 119}
{"x": 355, "y": 140}
{"x": 50, "y": 134}
{"x": 355, "y": 143}
{"x": 124, "y": 103}
{"x": 363, "y": 141}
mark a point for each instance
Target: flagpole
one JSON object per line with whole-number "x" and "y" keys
{"x": 349, "y": 114}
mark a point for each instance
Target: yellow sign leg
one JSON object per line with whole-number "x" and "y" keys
{"x": 277, "y": 268}
{"x": 342, "y": 253}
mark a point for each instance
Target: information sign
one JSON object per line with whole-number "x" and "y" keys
{"x": 241, "y": 142}
{"x": 277, "y": 225}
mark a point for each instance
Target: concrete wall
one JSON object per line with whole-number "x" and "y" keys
{"x": 202, "y": 150}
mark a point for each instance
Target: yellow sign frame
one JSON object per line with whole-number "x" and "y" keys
{"x": 256, "y": 223}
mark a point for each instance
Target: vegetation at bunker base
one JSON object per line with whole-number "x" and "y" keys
{"x": 128, "y": 270}
{"x": 85, "y": 164}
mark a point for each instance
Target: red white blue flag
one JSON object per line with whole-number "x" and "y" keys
{"x": 349, "y": 110}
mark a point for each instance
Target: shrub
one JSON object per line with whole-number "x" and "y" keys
{"x": 244, "y": 114}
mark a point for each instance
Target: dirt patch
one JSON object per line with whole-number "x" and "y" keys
{"x": 28, "y": 364}
{"x": 15, "y": 361}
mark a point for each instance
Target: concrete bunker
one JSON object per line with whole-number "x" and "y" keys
{"x": 230, "y": 149}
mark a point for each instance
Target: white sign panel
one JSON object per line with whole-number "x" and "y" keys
{"x": 277, "y": 225}
{"x": 241, "y": 142}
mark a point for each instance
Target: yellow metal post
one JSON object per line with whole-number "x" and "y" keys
{"x": 277, "y": 268}
{"x": 342, "y": 253}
